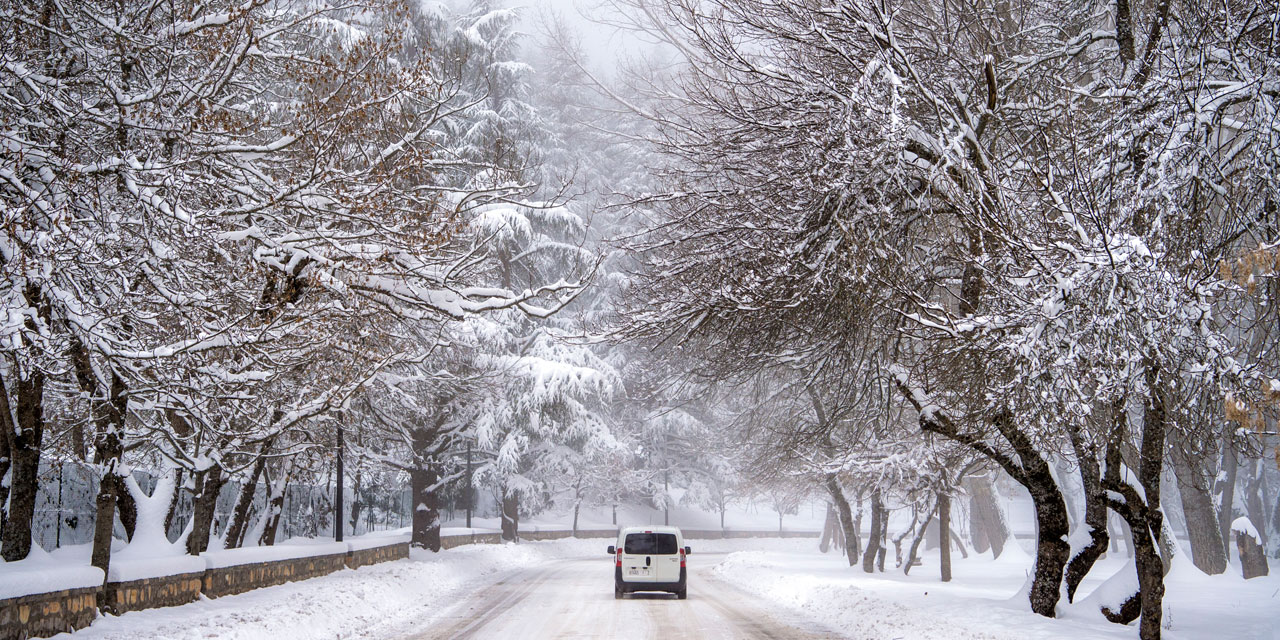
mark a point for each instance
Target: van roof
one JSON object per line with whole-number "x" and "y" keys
{"x": 650, "y": 528}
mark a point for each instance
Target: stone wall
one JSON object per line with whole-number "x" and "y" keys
{"x": 45, "y": 614}
{"x": 225, "y": 581}
{"x": 374, "y": 555}
{"x": 149, "y": 593}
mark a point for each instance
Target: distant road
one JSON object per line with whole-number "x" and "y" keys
{"x": 573, "y": 598}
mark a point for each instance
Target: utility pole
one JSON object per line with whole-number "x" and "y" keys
{"x": 666, "y": 497}
{"x": 337, "y": 498}
{"x": 469, "y": 497}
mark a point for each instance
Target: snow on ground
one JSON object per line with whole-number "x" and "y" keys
{"x": 984, "y": 600}
{"x": 378, "y": 601}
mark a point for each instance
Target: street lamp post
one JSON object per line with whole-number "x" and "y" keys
{"x": 337, "y": 498}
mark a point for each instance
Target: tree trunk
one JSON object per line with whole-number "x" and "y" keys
{"x": 1052, "y": 549}
{"x": 828, "y": 529}
{"x": 24, "y": 443}
{"x": 857, "y": 529}
{"x": 24, "y": 484}
{"x": 113, "y": 495}
{"x": 977, "y": 528}
{"x": 275, "y": 506}
{"x": 1255, "y": 490}
{"x": 208, "y": 484}
{"x": 897, "y": 540}
{"x": 1150, "y": 566}
{"x": 576, "y": 506}
{"x": 1033, "y": 472}
{"x": 126, "y": 506}
{"x": 1142, "y": 511}
{"x": 1095, "y": 507}
{"x": 846, "y": 517}
{"x": 933, "y": 536}
{"x": 1207, "y": 550}
{"x": 426, "y": 507}
{"x": 1226, "y": 490}
{"x": 111, "y": 492}
{"x": 1079, "y": 566}
{"x": 1150, "y": 582}
{"x": 1275, "y": 516}
{"x": 915, "y": 543}
{"x": 944, "y": 525}
{"x": 100, "y": 556}
{"x": 1253, "y": 563}
{"x": 884, "y": 540}
{"x": 355, "y": 501}
{"x": 510, "y": 516}
{"x": 240, "y": 517}
{"x": 873, "y": 538}
{"x": 959, "y": 543}
{"x": 173, "y": 504}
{"x": 5, "y": 462}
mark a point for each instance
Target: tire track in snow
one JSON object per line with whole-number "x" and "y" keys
{"x": 573, "y": 599}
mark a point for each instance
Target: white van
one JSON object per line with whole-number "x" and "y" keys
{"x": 649, "y": 559}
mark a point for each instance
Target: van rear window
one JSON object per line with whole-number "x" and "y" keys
{"x": 651, "y": 544}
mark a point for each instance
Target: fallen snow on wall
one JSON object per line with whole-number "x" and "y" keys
{"x": 42, "y": 573}
{"x": 287, "y": 550}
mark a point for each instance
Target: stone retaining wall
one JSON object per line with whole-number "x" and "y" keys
{"x": 374, "y": 555}
{"x": 225, "y": 581}
{"x": 42, "y": 615}
{"x": 149, "y": 593}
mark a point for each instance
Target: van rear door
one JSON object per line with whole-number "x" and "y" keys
{"x": 651, "y": 557}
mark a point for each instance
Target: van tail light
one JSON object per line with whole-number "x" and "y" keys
{"x": 619, "y": 558}
{"x": 682, "y": 558}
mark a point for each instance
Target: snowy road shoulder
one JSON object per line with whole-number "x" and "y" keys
{"x": 377, "y": 601}
{"x": 983, "y": 600}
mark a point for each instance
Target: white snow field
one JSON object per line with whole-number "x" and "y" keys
{"x": 985, "y": 599}
{"x": 751, "y": 588}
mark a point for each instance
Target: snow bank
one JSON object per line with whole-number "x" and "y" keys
{"x": 138, "y": 568}
{"x": 380, "y": 539}
{"x": 980, "y": 603}
{"x": 45, "y": 578}
{"x": 1113, "y": 592}
{"x": 464, "y": 531}
{"x": 857, "y": 612}
{"x": 386, "y": 600}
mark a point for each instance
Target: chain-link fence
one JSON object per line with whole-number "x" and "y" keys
{"x": 66, "y": 510}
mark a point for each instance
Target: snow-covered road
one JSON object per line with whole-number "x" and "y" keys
{"x": 573, "y": 598}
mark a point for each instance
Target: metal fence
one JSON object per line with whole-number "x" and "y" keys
{"x": 66, "y": 509}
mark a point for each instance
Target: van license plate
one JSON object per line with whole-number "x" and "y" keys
{"x": 638, "y": 572}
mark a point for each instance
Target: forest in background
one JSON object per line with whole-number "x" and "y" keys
{"x": 883, "y": 255}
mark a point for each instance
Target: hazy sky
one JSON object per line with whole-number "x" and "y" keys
{"x": 602, "y": 43}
